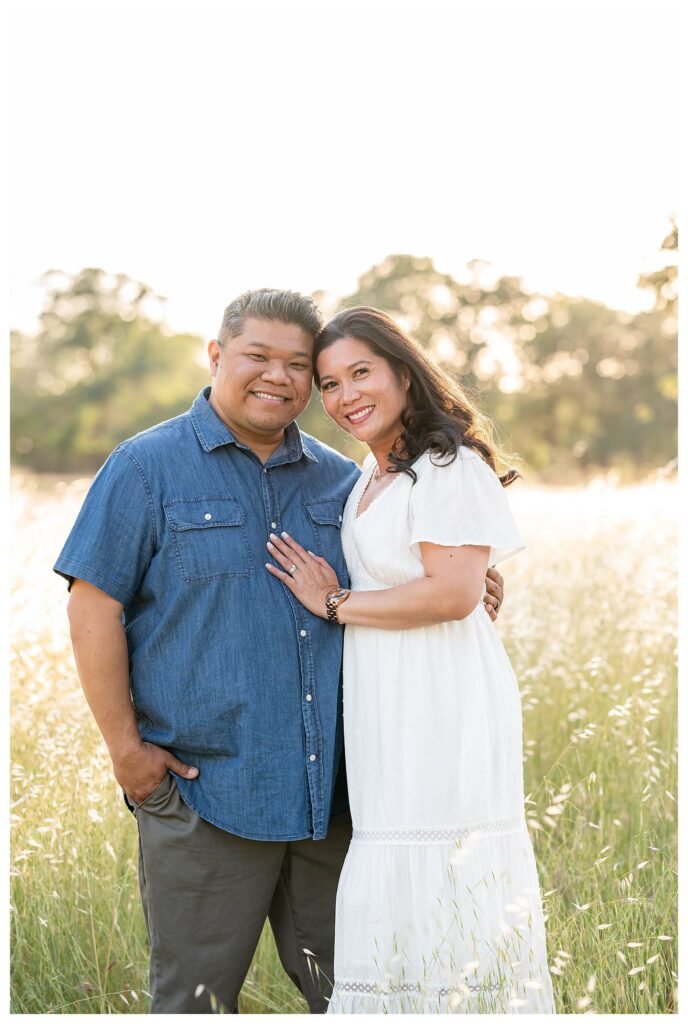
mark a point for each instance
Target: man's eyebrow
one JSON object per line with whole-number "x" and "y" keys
{"x": 368, "y": 362}
{"x": 261, "y": 344}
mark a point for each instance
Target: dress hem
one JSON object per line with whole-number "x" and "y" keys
{"x": 520, "y": 995}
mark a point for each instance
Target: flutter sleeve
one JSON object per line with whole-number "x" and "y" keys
{"x": 462, "y": 502}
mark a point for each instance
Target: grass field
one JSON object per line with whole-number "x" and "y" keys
{"x": 590, "y": 625}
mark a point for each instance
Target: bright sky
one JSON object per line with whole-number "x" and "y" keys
{"x": 204, "y": 148}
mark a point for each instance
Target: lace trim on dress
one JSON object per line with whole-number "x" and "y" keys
{"x": 514, "y": 986}
{"x": 375, "y": 989}
{"x": 438, "y": 835}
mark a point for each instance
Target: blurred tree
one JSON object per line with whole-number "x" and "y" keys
{"x": 464, "y": 326}
{"x": 664, "y": 282}
{"x": 100, "y": 368}
{"x": 571, "y": 384}
{"x": 598, "y": 391}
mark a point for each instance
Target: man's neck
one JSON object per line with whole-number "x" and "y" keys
{"x": 263, "y": 448}
{"x": 263, "y": 451}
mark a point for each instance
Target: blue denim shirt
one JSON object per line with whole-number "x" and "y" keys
{"x": 227, "y": 669}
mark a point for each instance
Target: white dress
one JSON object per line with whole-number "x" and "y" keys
{"x": 438, "y": 906}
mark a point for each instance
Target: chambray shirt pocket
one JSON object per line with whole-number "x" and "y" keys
{"x": 325, "y": 519}
{"x": 210, "y": 538}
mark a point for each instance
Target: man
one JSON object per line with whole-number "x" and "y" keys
{"x": 218, "y": 695}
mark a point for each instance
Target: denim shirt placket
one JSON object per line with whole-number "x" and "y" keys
{"x": 311, "y": 723}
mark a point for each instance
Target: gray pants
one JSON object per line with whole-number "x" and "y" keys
{"x": 206, "y": 894}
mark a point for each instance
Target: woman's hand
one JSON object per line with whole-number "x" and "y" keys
{"x": 311, "y": 578}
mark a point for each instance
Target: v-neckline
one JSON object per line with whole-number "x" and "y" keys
{"x": 358, "y": 515}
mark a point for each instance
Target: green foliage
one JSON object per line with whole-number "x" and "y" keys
{"x": 571, "y": 384}
{"x": 101, "y": 368}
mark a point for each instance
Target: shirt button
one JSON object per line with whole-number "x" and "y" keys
{"x": 303, "y": 633}
{"x": 309, "y": 697}
{"x": 273, "y": 525}
{"x": 312, "y": 757}
{"x": 340, "y": 519}
{"x": 207, "y": 516}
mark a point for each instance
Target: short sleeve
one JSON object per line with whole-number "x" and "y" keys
{"x": 463, "y": 502}
{"x": 113, "y": 539}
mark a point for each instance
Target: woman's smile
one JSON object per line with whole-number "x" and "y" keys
{"x": 360, "y": 415}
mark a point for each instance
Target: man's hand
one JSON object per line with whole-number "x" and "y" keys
{"x": 495, "y": 593}
{"x": 141, "y": 769}
{"x": 102, "y": 660}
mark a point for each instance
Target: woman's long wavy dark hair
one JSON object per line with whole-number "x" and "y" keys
{"x": 439, "y": 417}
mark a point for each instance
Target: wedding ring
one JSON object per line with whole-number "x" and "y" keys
{"x": 293, "y": 568}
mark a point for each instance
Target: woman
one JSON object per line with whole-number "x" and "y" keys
{"x": 438, "y": 906}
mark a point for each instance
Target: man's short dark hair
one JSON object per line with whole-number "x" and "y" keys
{"x": 270, "y": 304}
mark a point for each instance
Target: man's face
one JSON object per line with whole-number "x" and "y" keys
{"x": 261, "y": 379}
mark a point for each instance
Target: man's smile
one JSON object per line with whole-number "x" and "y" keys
{"x": 266, "y": 396}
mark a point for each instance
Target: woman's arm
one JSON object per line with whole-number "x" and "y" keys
{"x": 450, "y": 589}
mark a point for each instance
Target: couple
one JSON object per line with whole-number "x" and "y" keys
{"x": 214, "y": 677}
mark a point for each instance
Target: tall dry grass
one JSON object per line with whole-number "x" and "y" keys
{"x": 590, "y": 625}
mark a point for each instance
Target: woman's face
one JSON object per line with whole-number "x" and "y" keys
{"x": 361, "y": 392}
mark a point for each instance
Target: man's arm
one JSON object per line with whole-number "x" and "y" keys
{"x": 102, "y": 661}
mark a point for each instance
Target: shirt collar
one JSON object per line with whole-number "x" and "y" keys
{"x": 212, "y": 432}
